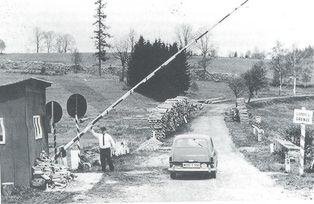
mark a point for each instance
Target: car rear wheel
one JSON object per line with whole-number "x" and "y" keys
{"x": 173, "y": 175}
{"x": 213, "y": 174}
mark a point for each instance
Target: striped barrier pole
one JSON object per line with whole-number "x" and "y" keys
{"x": 77, "y": 121}
{"x": 148, "y": 77}
{"x": 53, "y": 131}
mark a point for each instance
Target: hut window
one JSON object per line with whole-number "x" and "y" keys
{"x": 37, "y": 127}
{"x": 2, "y": 132}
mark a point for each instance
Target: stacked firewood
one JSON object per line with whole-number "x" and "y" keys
{"x": 167, "y": 117}
{"x": 48, "y": 174}
{"x": 243, "y": 112}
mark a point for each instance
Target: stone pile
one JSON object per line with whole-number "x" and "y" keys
{"x": 35, "y": 67}
{"x": 201, "y": 75}
{"x": 48, "y": 174}
{"x": 167, "y": 117}
{"x": 243, "y": 112}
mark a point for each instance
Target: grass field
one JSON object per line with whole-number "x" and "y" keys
{"x": 128, "y": 121}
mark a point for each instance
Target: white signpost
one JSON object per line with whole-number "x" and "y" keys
{"x": 303, "y": 117}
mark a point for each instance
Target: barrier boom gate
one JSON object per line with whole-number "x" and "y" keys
{"x": 131, "y": 91}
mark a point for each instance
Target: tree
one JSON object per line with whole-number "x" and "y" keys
{"x": 49, "y": 38}
{"x": 101, "y": 34}
{"x": 184, "y": 34}
{"x": 235, "y": 54}
{"x": 122, "y": 52}
{"x": 64, "y": 43}
{"x": 255, "y": 78}
{"x": 307, "y": 75}
{"x": 38, "y": 37}
{"x": 237, "y": 85}
{"x": 257, "y": 54}
{"x": 173, "y": 80}
{"x": 208, "y": 52}
{"x": 2, "y": 46}
{"x": 277, "y": 64}
{"x": 248, "y": 54}
{"x": 131, "y": 38}
{"x": 295, "y": 60}
{"x": 76, "y": 60}
{"x": 68, "y": 42}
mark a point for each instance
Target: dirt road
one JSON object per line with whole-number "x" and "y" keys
{"x": 149, "y": 179}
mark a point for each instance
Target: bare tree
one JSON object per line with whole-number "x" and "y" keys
{"x": 237, "y": 85}
{"x": 68, "y": 42}
{"x": 76, "y": 60}
{"x": 131, "y": 38}
{"x": 208, "y": 52}
{"x": 59, "y": 43}
{"x": 295, "y": 61}
{"x": 2, "y": 46}
{"x": 49, "y": 38}
{"x": 278, "y": 65}
{"x": 184, "y": 33}
{"x": 38, "y": 37}
{"x": 121, "y": 52}
{"x": 64, "y": 43}
{"x": 307, "y": 75}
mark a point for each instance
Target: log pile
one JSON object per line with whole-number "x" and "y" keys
{"x": 243, "y": 112}
{"x": 167, "y": 117}
{"x": 48, "y": 174}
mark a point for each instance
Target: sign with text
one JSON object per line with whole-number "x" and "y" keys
{"x": 302, "y": 116}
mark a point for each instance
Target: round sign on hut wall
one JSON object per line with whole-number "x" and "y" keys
{"x": 54, "y": 110}
{"x": 76, "y": 105}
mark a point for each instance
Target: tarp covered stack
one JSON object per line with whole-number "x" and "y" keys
{"x": 167, "y": 117}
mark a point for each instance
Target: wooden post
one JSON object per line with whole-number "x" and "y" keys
{"x": 0, "y": 186}
{"x": 287, "y": 163}
{"x": 302, "y": 146}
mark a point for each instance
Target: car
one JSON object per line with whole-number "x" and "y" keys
{"x": 193, "y": 153}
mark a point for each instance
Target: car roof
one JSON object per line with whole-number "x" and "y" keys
{"x": 187, "y": 136}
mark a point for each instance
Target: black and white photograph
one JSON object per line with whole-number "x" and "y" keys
{"x": 156, "y": 101}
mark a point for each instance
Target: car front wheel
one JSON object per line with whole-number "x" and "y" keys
{"x": 173, "y": 175}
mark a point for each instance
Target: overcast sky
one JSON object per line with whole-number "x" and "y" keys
{"x": 259, "y": 24}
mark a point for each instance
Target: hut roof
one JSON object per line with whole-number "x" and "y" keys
{"x": 32, "y": 80}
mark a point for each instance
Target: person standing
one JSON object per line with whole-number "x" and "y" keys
{"x": 106, "y": 145}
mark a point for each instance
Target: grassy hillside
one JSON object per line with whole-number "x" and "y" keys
{"x": 128, "y": 121}
{"x": 225, "y": 64}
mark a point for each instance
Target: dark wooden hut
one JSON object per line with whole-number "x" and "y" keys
{"x": 23, "y": 129}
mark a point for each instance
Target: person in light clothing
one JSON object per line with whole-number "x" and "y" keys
{"x": 106, "y": 145}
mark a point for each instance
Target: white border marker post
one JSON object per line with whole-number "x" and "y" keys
{"x": 302, "y": 117}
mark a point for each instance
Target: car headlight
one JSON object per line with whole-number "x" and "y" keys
{"x": 204, "y": 165}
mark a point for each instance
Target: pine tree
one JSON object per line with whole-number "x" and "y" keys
{"x": 173, "y": 80}
{"x": 101, "y": 34}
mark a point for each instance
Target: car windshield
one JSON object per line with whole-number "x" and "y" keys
{"x": 191, "y": 142}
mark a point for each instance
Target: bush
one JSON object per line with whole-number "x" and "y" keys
{"x": 292, "y": 134}
{"x": 169, "y": 82}
{"x": 194, "y": 87}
